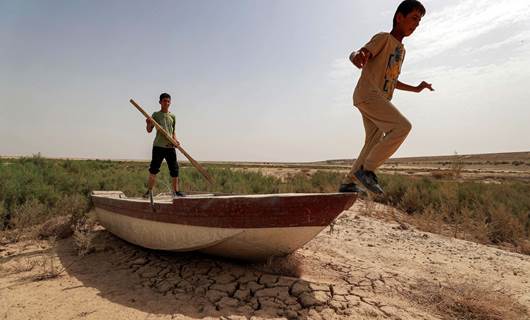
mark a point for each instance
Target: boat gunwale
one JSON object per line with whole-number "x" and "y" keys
{"x": 236, "y": 211}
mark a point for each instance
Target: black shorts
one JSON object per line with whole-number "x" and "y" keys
{"x": 159, "y": 154}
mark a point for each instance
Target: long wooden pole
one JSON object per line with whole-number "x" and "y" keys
{"x": 170, "y": 138}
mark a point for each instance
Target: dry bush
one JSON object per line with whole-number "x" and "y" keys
{"x": 33, "y": 220}
{"x": 290, "y": 265}
{"x": 23, "y": 265}
{"x": 463, "y": 223}
{"x": 368, "y": 207}
{"x": 59, "y": 227}
{"x": 503, "y": 226}
{"x": 457, "y": 165}
{"x": 441, "y": 174}
{"x": 411, "y": 200}
{"x": 484, "y": 213}
{"x": 49, "y": 269}
{"x": 474, "y": 226}
{"x": 523, "y": 247}
{"x": 430, "y": 220}
{"x": 17, "y": 235}
{"x": 10, "y": 236}
{"x": 42, "y": 266}
{"x": 83, "y": 241}
{"x": 305, "y": 171}
{"x": 28, "y": 214}
{"x": 84, "y": 236}
{"x": 75, "y": 206}
{"x": 467, "y": 302}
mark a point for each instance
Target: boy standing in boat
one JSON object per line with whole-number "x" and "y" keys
{"x": 162, "y": 147}
{"x": 385, "y": 127}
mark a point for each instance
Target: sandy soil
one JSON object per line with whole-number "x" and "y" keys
{"x": 366, "y": 268}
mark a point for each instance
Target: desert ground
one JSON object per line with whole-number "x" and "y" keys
{"x": 370, "y": 264}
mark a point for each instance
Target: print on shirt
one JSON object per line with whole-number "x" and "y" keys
{"x": 393, "y": 69}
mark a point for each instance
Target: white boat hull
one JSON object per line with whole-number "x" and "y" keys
{"x": 242, "y": 243}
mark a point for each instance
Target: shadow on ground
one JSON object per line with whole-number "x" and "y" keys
{"x": 195, "y": 285}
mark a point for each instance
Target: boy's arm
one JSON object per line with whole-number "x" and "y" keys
{"x": 174, "y": 133}
{"x": 369, "y": 50}
{"x": 361, "y": 57}
{"x": 403, "y": 86}
{"x": 149, "y": 126}
{"x": 175, "y": 138}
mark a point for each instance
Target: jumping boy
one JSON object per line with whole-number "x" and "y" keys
{"x": 385, "y": 127}
{"x": 162, "y": 147}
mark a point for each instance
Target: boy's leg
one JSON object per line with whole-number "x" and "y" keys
{"x": 175, "y": 183}
{"x": 151, "y": 181}
{"x": 372, "y": 136}
{"x": 172, "y": 164}
{"x": 389, "y": 120}
{"x": 395, "y": 126}
{"x": 154, "y": 167}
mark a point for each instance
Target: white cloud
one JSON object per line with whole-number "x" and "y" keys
{"x": 522, "y": 40}
{"x": 457, "y": 24}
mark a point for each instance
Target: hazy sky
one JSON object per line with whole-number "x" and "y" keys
{"x": 255, "y": 80}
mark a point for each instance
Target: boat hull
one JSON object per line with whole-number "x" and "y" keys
{"x": 243, "y": 227}
{"x": 244, "y": 243}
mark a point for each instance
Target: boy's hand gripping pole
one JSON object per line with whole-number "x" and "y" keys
{"x": 170, "y": 138}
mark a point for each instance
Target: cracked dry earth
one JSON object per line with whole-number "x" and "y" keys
{"x": 365, "y": 268}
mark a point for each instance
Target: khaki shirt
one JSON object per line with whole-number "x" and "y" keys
{"x": 380, "y": 74}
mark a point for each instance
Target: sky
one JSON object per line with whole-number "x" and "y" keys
{"x": 255, "y": 80}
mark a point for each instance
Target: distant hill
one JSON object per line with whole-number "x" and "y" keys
{"x": 468, "y": 158}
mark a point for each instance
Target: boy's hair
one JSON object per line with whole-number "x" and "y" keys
{"x": 407, "y": 6}
{"x": 164, "y": 95}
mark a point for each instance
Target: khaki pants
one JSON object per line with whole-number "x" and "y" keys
{"x": 386, "y": 129}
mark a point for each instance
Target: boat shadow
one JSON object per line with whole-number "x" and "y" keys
{"x": 189, "y": 284}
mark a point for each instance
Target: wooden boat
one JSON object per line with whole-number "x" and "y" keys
{"x": 251, "y": 227}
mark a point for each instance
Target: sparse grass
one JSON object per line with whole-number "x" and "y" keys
{"x": 43, "y": 266}
{"x": 486, "y": 213}
{"x": 49, "y": 269}
{"x": 466, "y": 301}
{"x": 83, "y": 240}
{"x": 23, "y": 265}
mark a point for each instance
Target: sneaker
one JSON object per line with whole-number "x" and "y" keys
{"x": 369, "y": 180}
{"x": 350, "y": 187}
{"x": 147, "y": 194}
{"x": 178, "y": 194}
